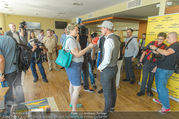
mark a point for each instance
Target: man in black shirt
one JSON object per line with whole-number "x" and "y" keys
{"x": 165, "y": 69}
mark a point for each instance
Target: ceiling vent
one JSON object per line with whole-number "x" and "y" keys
{"x": 134, "y": 3}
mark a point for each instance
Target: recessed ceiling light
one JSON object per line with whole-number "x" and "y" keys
{"x": 78, "y": 4}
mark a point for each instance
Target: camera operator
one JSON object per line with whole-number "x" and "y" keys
{"x": 83, "y": 39}
{"x": 165, "y": 69}
{"x": 23, "y": 32}
{"x": 37, "y": 47}
{"x": 150, "y": 64}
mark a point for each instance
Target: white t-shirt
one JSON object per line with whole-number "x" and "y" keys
{"x": 70, "y": 44}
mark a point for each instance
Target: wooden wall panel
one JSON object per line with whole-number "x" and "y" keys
{"x": 142, "y": 29}
{"x": 173, "y": 9}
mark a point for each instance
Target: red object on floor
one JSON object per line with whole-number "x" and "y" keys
{"x": 94, "y": 41}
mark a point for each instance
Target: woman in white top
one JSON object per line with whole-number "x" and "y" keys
{"x": 74, "y": 70}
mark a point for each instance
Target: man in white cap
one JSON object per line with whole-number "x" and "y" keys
{"x": 108, "y": 67}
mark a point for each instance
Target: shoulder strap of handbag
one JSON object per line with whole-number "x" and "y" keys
{"x": 129, "y": 42}
{"x": 65, "y": 42}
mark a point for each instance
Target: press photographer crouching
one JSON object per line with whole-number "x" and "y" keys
{"x": 148, "y": 60}
{"x": 165, "y": 69}
{"x": 37, "y": 47}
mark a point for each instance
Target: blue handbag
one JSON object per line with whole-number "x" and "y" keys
{"x": 64, "y": 58}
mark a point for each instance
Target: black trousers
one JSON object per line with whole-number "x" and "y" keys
{"x": 85, "y": 69}
{"x": 128, "y": 68}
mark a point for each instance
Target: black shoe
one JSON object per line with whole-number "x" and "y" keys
{"x": 62, "y": 68}
{"x": 45, "y": 80}
{"x": 125, "y": 80}
{"x": 100, "y": 91}
{"x": 140, "y": 93}
{"x": 150, "y": 94}
{"x": 35, "y": 80}
{"x": 132, "y": 82}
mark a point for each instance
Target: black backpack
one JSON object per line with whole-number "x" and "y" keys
{"x": 24, "y": 56}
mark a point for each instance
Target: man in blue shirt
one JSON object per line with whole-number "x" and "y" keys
{"x": 36, "y": 59}
{"x": 9, "y": 77}
{"x": 63, "y": 36}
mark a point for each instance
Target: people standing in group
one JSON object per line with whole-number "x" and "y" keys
{"x": 36, "y": 57}
{"x": 165, "y": 68}
{"x": 130, "y": 53}
{"x": 9, "y": 77}
{"x": 50, "y": 42}
{"x": 108, "y": 67}
{"x": 74, "y": 70}
{"x": 149, "y": 66}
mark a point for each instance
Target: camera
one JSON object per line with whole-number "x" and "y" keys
{"x": 82, "y": 30}
{"x": 35, "y": 41}
{"x": 22, "y": 24}
{"x": 159, "y": 56}
{"x": 146, "y": 48}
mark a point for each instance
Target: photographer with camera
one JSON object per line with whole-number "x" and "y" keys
{"x": 37, "y": 47}
{"x": 23, "y": 32}
{"x": 165, "y": 69}
{"x": 83, "y": 37}
{"x": 150, "y": 64}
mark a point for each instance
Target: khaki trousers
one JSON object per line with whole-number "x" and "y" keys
{"x": 52, "y": 58}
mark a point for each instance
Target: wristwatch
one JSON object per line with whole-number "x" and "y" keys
{"x": 1, "y": 74}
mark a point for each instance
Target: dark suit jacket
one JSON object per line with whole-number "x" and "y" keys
{"x": 9, "y": 33}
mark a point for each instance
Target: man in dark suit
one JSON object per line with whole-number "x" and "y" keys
{"x": 13, "y": 33}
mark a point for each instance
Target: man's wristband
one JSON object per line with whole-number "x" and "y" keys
{"x": 156, "y": 48}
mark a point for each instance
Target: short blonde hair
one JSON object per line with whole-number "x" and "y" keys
{"x": 71, "y": 26}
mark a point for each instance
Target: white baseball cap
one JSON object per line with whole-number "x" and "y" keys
{"x": 107, "y": 24}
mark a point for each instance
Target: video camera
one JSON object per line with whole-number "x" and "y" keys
{"x": 22, "y": 24}
{"x": 35, "y": 41}
{"x": 82, "y": 30}
{"x": 146, "y": 48}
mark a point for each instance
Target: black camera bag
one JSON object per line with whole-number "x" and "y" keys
{"x": 24, "y": 56}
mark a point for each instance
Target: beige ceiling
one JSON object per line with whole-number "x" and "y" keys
{"x": 62, "y": 9}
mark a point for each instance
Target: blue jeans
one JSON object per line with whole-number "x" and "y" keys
{"x": 161, "y": 79}
{"x": 33, "y": 69}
